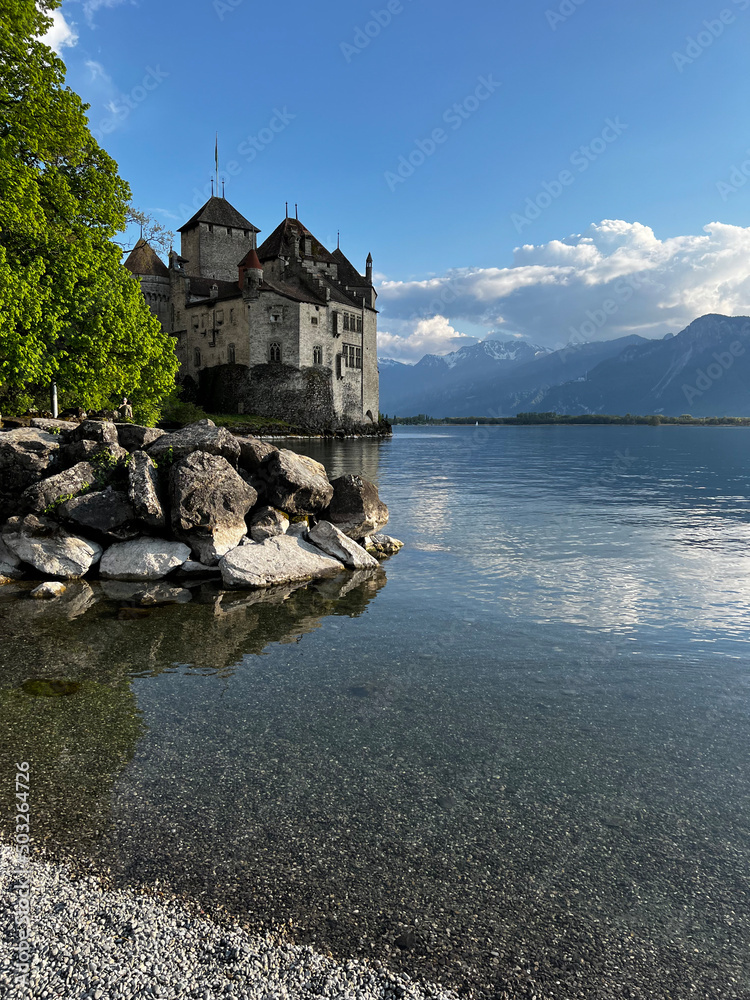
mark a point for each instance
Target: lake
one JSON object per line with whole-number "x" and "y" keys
{"x": 516, "y": 762}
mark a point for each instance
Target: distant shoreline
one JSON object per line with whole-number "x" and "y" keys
{"x": 559, "y": 419}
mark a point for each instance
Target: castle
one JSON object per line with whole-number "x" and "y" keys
{"x": 285, "y": 330}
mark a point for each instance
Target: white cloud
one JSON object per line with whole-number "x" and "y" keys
{"x": 616, "y": 278}
{"x": 90, "y": 7}
{"x": 61, "y": 35}
{"x": 98, "y": 72}
{"x": 428, "y": 336}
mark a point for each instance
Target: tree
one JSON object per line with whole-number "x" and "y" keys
{"x": 69, "y": 311}
{"x": 152, "y": 232}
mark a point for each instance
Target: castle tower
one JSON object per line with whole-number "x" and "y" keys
{"x": 145, "y": 265}
{"x": 215, "y": 240}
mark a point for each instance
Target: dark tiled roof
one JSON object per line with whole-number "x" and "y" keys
{"x": 297, "y": 292}
{"x": 202, "y": 288}
{"x": 279, "y": 243}
{"x": 219, "y": 212}
{"x": 143, "y": 259}
{"x": 347, "y": 272}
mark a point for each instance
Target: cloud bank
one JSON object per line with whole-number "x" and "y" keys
{"x": 61, "y": 35}
{"x": 615, "y": 279}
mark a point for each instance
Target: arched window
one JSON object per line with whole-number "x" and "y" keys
{"x": 231, "y": 354}
{"x": 274, "y": 352}
{"x": 317, "y": 355}
{"x": 197, "y": 357}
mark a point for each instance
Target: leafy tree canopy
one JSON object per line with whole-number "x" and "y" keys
{"x": 69, "y": 311}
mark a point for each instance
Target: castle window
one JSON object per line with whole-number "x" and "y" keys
{"x": 274, "y": 351}
{"x": 346, "y": 321}
{"x": 317, "y": 355}
{"x": 203, "y": 321}
{"x": 247, "y": 233}
{"x": 231, "y": 315}
{"x": 314, "y": 320}
{"x": 197, "y": 357}
{"x": 195, "y": 322}
{"x": 335, "y": 329}
{"x": 210, "y": 228}
{"x": 231, "y": 354}
{"x": 220, "y": 316}
{"x": 352, "y": 356}
{"x": 357, "y": 357}
{"x": 359, "y": 324}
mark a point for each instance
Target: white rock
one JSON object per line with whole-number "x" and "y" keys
{"x": 56, "y": 553}
{"x": 281, "y": 559}
{"x": 331, "y": 540}
{"x": 142, "y": 559}
{"x": 10, "y": 564}
{"x": 52, "y": 588}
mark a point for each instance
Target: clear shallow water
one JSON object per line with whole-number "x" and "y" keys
{"x": 525, "y": 757}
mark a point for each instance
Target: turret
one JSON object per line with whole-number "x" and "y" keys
{"x": 368, "y": 268}
{"x": 251, "y": 274}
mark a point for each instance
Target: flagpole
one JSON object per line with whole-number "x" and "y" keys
{"x": 216, "y": 158}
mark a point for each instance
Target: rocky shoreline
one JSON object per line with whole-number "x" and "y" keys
{"x": 137, "y": 504}
{"x": 91, "y": 941}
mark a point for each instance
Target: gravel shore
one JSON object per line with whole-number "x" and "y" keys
{"x": 88, "y": 941}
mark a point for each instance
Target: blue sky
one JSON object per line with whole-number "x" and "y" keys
{"x": 475, "y": 148}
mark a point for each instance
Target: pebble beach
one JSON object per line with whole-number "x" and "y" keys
{"x": 92, "y": 942}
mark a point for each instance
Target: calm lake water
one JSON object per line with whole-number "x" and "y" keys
{"x": 517, "y": 762}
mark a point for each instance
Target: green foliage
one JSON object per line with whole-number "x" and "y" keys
{"x": 69, "y": 311}
{"x": 64, "y": 497}
{"x": 179, "y": 411}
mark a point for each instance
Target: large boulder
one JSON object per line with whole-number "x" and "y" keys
{"x": 282, "y": 559}
{"x": 356, "y": 509}
{"x": 10, "y": 564}
{"x": 253, "y": 452}
{"x": 108, "y": 514}
{"x": 101, "y": 431}
{"x": 201, "y": 436}
{"x": 105, "y": 454}
{"x": 142, "y": 559}
{"x": 296, "y": 484}
{"x": 27, "y": 454}
{"x": 52, "y": 425}
{"x": 50, "y": 492}
{"x": 144, "y": 491}
{"x": 333, "y": 542}
{"x": 266, "y": 523}
{"x": 49, "y": 548}
{"x": 133, "y": 437}
{"x": 209, "y": 503}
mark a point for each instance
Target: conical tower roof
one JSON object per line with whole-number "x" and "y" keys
{"x": 219, "y": 212}
{"x": 143, "y": 260}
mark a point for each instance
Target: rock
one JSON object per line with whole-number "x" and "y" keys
{"x": 27, "y": 455}
{"x": 52, "y": 425}
{"x": 143, "y": 490}
{"x": 160, "y": 592}
{"x": 49, "y": 548}
{"x": 333, "y": 542}
{"x": 65, "y": 484}
{"x": 104, "y": 455}
{"x": 10, "y": 564}
{"x": 191, "y": 568}
{"x": 296, "y": 484}
{"x": 356, "y": 507}
{"x": 209, "y": 503}
{"x": 278, "y": 560}
{"x": 299, "y": 528}
{"x": 101, "y": 431}
{"x": 142, "y": 559}
{"x": 108, "y": 513}
{"x": 253, "y": 451}
{"x": 133, "y": 437}
{"x": 381, "y": 546}
{"x": 202, "y": 436}
{"x": 266, "y": 523}
{"x": 52, "y": 588}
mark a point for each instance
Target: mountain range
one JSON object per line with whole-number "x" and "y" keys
{"x": 704, "y": 370}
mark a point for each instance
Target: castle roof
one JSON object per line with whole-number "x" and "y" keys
{"x": 280, "y": 242}
{"x": 219, "y": 212}
{"x": 250, "y": 261}
{"x": 347, "y": 272}
{"x": 143, "y": 260}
